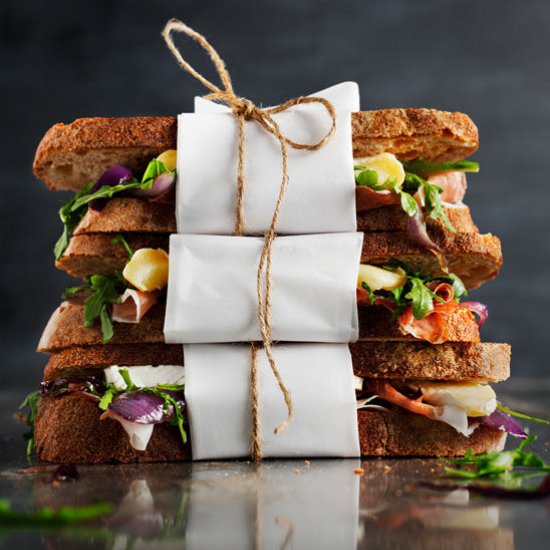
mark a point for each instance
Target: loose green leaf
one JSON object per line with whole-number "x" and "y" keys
{"x": 119, "y": 239}
{"x": 369, "y": 290}
{"x": 30, "y": 402}
{"x": 459, "y": 289}
{"x": 367, "y": 177}
{"x": 424, "y": 168}
{"x": 154, "y": 169}
{"x": 421, "y": 297}
{"x": 107, "y": 398}
{"x": 497, "y": 463}
{"x": 178, "y": 415}
{"x": 45, "y": 517}
{"x": 506, "y": 410}
{"x": 70, "y": 220}
{"x": 170, "y": 387}
{"x": 127, "y": 379}
{"x": 74, "y": 290}
{"x": 106, "y": 324}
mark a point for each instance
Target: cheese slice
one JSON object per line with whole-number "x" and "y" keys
{"x": 473, "y": 399}
{"x": 147, "y": 376}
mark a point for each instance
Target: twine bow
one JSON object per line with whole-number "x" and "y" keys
{"x": 243, "y": 110}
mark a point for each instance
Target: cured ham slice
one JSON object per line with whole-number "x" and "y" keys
{"x": 133, "y": 306}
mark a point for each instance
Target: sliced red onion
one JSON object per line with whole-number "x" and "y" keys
{"x": 114, "y": 175}
{"x": 161, "y": 184}
{"x": 418, "y": 233}
{"x": 143, "y": 407}
{"x": 480, "y": 311}
{"x": 503, "y": 422}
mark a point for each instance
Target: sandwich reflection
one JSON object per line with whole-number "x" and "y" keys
{"x": 280, "y": 504}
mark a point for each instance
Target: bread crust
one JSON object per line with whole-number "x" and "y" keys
{"x": 133, "y": 215}
{"x": 66, "y": 328}
{"x": 401, "y": 433}
{"x": 71, "y": 155}
{"x": 475, "y": 258}
{"x": 456, "y": 361}
{"x": 69, "y": 430}
{"x": 452, "y": 361}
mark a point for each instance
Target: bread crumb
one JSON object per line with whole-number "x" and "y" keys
{"x": 387, "y": 469}
{"x": 307, "y": 462}
{"x": 359, "y": 471}
{"x": 296, "y": 471}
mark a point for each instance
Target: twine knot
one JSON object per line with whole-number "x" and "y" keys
{"x": 245, "y": 110}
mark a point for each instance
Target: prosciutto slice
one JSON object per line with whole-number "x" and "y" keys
{"x": 133, "y": 306}
{"x": 369, "y": 199}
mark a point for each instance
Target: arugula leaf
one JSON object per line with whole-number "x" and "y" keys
{"x": 104, "y": 292}
{"x": 432, "y": 198}
{"x": 366, "y": 287}
{"x": 425, "y": 168}
{"x": 108, "y": 397}
{"x": 70, "y": 220}
{"x": 154, "y": 169}
{"x": 506, "y": 410}
{"x": 51, "y": 517}
{"x": 74, "y": 290}
{"x": 368, "y": 178}
{"x": 31, "y": 402}
{"x": 130, "y": 386}
{"x": 497, "y": 463}
{"x": 170, "y": 387}
{"x": 119, "y": 239}
{"x": 178, "y": 415}
{"x": 421, "y": 297}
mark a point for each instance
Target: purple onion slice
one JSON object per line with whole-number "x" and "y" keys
{"x": 143, "y": 407}
{"x": 162, "y": 183}
{"x": 114, "y": 175}
{"x": 480, "y": 311}
{"x": 503, "y": 422}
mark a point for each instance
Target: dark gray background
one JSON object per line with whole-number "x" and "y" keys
{"x": 65, "y": 59}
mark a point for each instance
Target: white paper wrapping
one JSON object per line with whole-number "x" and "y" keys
{"x": 320, "y": 197}
{"x": 212, "y": 288}
{"x": 276, "y": 508}
{"x": 319, "y": 378}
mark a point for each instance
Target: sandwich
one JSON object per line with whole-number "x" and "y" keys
{"x": 422, "y": 372}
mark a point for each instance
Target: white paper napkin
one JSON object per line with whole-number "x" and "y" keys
{"x": 212, "y": 294}
{"x": 320, "y": 380}
{"x": 320, "y": 196}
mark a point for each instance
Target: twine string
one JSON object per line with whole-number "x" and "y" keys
{"x": 245, "y": 110}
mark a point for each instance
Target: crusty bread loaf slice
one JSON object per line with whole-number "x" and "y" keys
{"x": 475, "y": 258}
{"x": 71, "y": 155}
{"x": 69, "y": 430}
{"x": 97, "y": 254}
{"x": 401, "y": 433}
{"x": 457, "y": 362}
{"x": 132, "y": 215}
{"x": 65, "y": 328}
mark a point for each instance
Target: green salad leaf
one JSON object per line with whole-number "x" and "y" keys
{"x": 497, "y": 463}
{"x": 506, "y": 410}
{"x": 30, "y": 402}
{"x": 72, "y": 212}
{"x": 425, "y": 168}
{"x": 120, "y": 239}
{"x": 46, "y": 517}
{"x": 421, "y": 297}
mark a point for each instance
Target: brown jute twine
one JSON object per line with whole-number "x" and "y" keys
{"x": 243, "y": 110}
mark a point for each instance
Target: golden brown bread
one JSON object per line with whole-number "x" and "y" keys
{"x": 69, "y": 430}
{"x": 453, "y": 361}
{"x": 456, "y": 361}
{"x": 475, "y": 258}
{"x": 96, "y": 254}
{"x": 401, "y": 433}
{"x": 132, "y": 215}
{"x": 65, "y": 328}
{"x": 71, "y": 155}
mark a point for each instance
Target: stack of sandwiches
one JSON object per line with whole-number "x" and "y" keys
{"x": 113, "y": 390}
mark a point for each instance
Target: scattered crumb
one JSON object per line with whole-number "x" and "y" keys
{"x": 359, "y": 471}
{"x": 432, "y": 470}
{"x": 296, "y": 471}
{"x": 387, "y": 469}
{"x": 307, "y": 462}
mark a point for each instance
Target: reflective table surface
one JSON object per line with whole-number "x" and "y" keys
{"x": 321, "y": 504}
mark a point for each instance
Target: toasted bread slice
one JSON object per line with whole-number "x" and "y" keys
{"x": 65, "y": 328}
{"x": 71, "y": 155}
{"x": 452, "y": 362}
{"x": 401, "y": 433}
{"x": 474, "y": 257}
{"x": 132, "y": 215}
{"x": 69, "y": 430}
